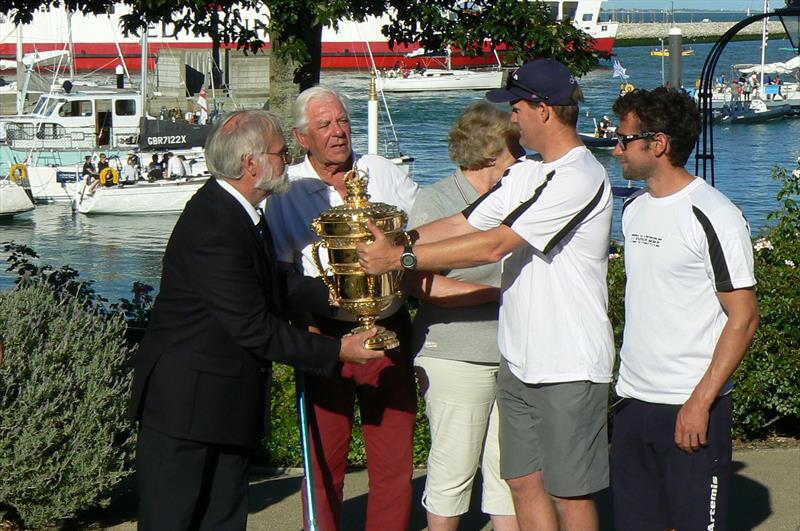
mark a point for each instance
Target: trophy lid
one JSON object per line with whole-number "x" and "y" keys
{"x": 357, "y": 208}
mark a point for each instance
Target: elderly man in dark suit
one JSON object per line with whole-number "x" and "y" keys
{"x": 202, "y": 373}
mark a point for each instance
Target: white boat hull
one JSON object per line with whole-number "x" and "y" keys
{"x": 440, "y": 79}
{"x": 140, "y": 198}
{"x": 13, "y": 200}
{"x": 51, "y": 184}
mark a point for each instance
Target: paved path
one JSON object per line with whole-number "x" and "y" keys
{"x": 766, "y": 497}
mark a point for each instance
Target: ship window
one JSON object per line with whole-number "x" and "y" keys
{"x": 569, "y": 9}
{"x": 76, "y": 108}
{"x": 587, "y": 17}
{"x": 125, "y": 107}
{"x": 553, "y": 6}
{"x": 40, "y": 105}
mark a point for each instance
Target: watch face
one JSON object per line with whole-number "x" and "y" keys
{"x": 408, "y": 260}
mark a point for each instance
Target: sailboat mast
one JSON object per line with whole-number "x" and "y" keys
{"x": 71, "y": 45}
{"x": 764, "y": 37}
{"x": 143, "y": 69}
{"x": 20, "y": 72}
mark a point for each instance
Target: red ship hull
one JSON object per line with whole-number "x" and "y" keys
{"x": 335, "y": 55}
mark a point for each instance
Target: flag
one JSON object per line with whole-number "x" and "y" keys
{"x": 201, "y": 102}
{"x": 619, "y": 71}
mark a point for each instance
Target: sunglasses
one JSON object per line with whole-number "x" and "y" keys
{"x": 624, "y": 140}
{"x": 512, "y": 82}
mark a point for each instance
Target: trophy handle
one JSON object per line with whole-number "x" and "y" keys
{"x": 321, "y": 270}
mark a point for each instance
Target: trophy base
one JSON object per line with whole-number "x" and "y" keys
{"x": 383, "y": 340}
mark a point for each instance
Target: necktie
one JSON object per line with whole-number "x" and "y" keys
{"x": 261, "y": 226}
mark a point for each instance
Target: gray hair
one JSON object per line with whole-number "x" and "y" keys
{"x": 236, "y": 135}
{"x": 480, "y": 134}
{"x": 300, "y": 107}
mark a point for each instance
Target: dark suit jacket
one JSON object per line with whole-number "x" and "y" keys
{"x": 219, "y": 320}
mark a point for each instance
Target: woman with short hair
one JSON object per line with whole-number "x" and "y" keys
{"x": 455, "y": 333}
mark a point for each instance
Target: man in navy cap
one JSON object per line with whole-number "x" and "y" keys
{"x": 548, "y": 220}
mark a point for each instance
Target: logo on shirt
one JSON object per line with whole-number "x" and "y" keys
{"x": 646, "y": 239}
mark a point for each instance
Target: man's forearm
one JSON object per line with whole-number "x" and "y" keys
{"x": 470, "y": 250}
{"x": 443, "y": 229}
{"x": 730, "y": 349}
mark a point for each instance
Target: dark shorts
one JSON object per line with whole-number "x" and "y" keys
{"x": 557, "y": 428}
{"x": 656, "y": 485}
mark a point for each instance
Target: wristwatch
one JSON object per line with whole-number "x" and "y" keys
{"x": 408, "y": 259}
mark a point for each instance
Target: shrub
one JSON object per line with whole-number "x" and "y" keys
{"x": 65, "y": 441}
{"x": 767, "y": 384}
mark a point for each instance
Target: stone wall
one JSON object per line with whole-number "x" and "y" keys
{"x": 656, "y": 30}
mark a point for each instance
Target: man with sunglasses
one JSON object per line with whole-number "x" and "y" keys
{"x": 548, "y": 220}
{"x": 385, "y": 390}
{"x": 690, "y": 314}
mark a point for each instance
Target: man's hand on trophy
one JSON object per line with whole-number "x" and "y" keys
{"x": 379, "y": 256}
{"x": 354, "y": 351}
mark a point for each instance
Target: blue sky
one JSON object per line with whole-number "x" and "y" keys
{"x": 755, "y": 5}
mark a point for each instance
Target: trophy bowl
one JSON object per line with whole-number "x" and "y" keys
{"x": 340, "y": 229}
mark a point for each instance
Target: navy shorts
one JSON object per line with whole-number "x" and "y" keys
{"x": 657, "y": 486}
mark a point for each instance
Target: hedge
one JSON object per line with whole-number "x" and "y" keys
{"x": 65, "y": 441}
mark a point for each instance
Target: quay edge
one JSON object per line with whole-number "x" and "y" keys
{"x": 648, "y": 33}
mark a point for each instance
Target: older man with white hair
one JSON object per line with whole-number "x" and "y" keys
{"x": 202, "y": 372}
{"x": 385, "y": 390}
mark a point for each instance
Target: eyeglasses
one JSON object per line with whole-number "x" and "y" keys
{"x": 513, "y": 82}
{"x": 624, "y": 140}
{"x": 285, "y": 155}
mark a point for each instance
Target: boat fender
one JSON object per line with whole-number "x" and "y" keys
{"x": 114, "y": 175}
{"x": 17, "y": 172}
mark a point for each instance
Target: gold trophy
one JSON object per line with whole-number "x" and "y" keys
{"x": 340, "y": 228}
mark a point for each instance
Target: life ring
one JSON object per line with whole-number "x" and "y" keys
{"x": 627, "y": 87}
{"x": 18, "y": 171}
{"x": 114, "y": 175}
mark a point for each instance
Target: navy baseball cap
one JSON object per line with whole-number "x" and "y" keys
{"x": 538, "y": 80}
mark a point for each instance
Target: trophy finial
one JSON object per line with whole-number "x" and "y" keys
{"x": 356, "y": 181}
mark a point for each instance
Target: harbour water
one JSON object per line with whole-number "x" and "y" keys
{"x": 116, "y": 251}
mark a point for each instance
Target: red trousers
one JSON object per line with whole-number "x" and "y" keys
{"x": 387, "y": 403}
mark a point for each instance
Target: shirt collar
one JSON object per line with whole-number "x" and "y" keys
{"x": 307, "y": 171}
{"x": 250, "y": 209}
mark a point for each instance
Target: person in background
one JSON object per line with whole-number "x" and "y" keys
{"x": 549, "y": 221}
{"x": 88, "y": 172}
{"x": 385, "y": 389}
{"x": 454, "y": 334}
{"x": 165, "y": 165}
{"x": 130, "y": 171}
{"x": 690, "y": 314}
{"x": 603, "y": 127}
{"x": 154, "y": 169}
{"x": 102, "y": 163}
{"x": 175, "y": 167}
{"x": 201, "y": 375}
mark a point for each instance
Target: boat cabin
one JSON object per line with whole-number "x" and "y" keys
{"x": 84, "y": 120}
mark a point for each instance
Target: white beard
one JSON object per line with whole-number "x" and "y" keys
{"x": 277, "y": 186}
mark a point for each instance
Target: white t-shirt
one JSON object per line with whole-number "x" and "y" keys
{"x": 176, "y": 168}
{"x": 554, "y": 324}
{"x": 680, "y": 251}
{"x": 289, "y": 215}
